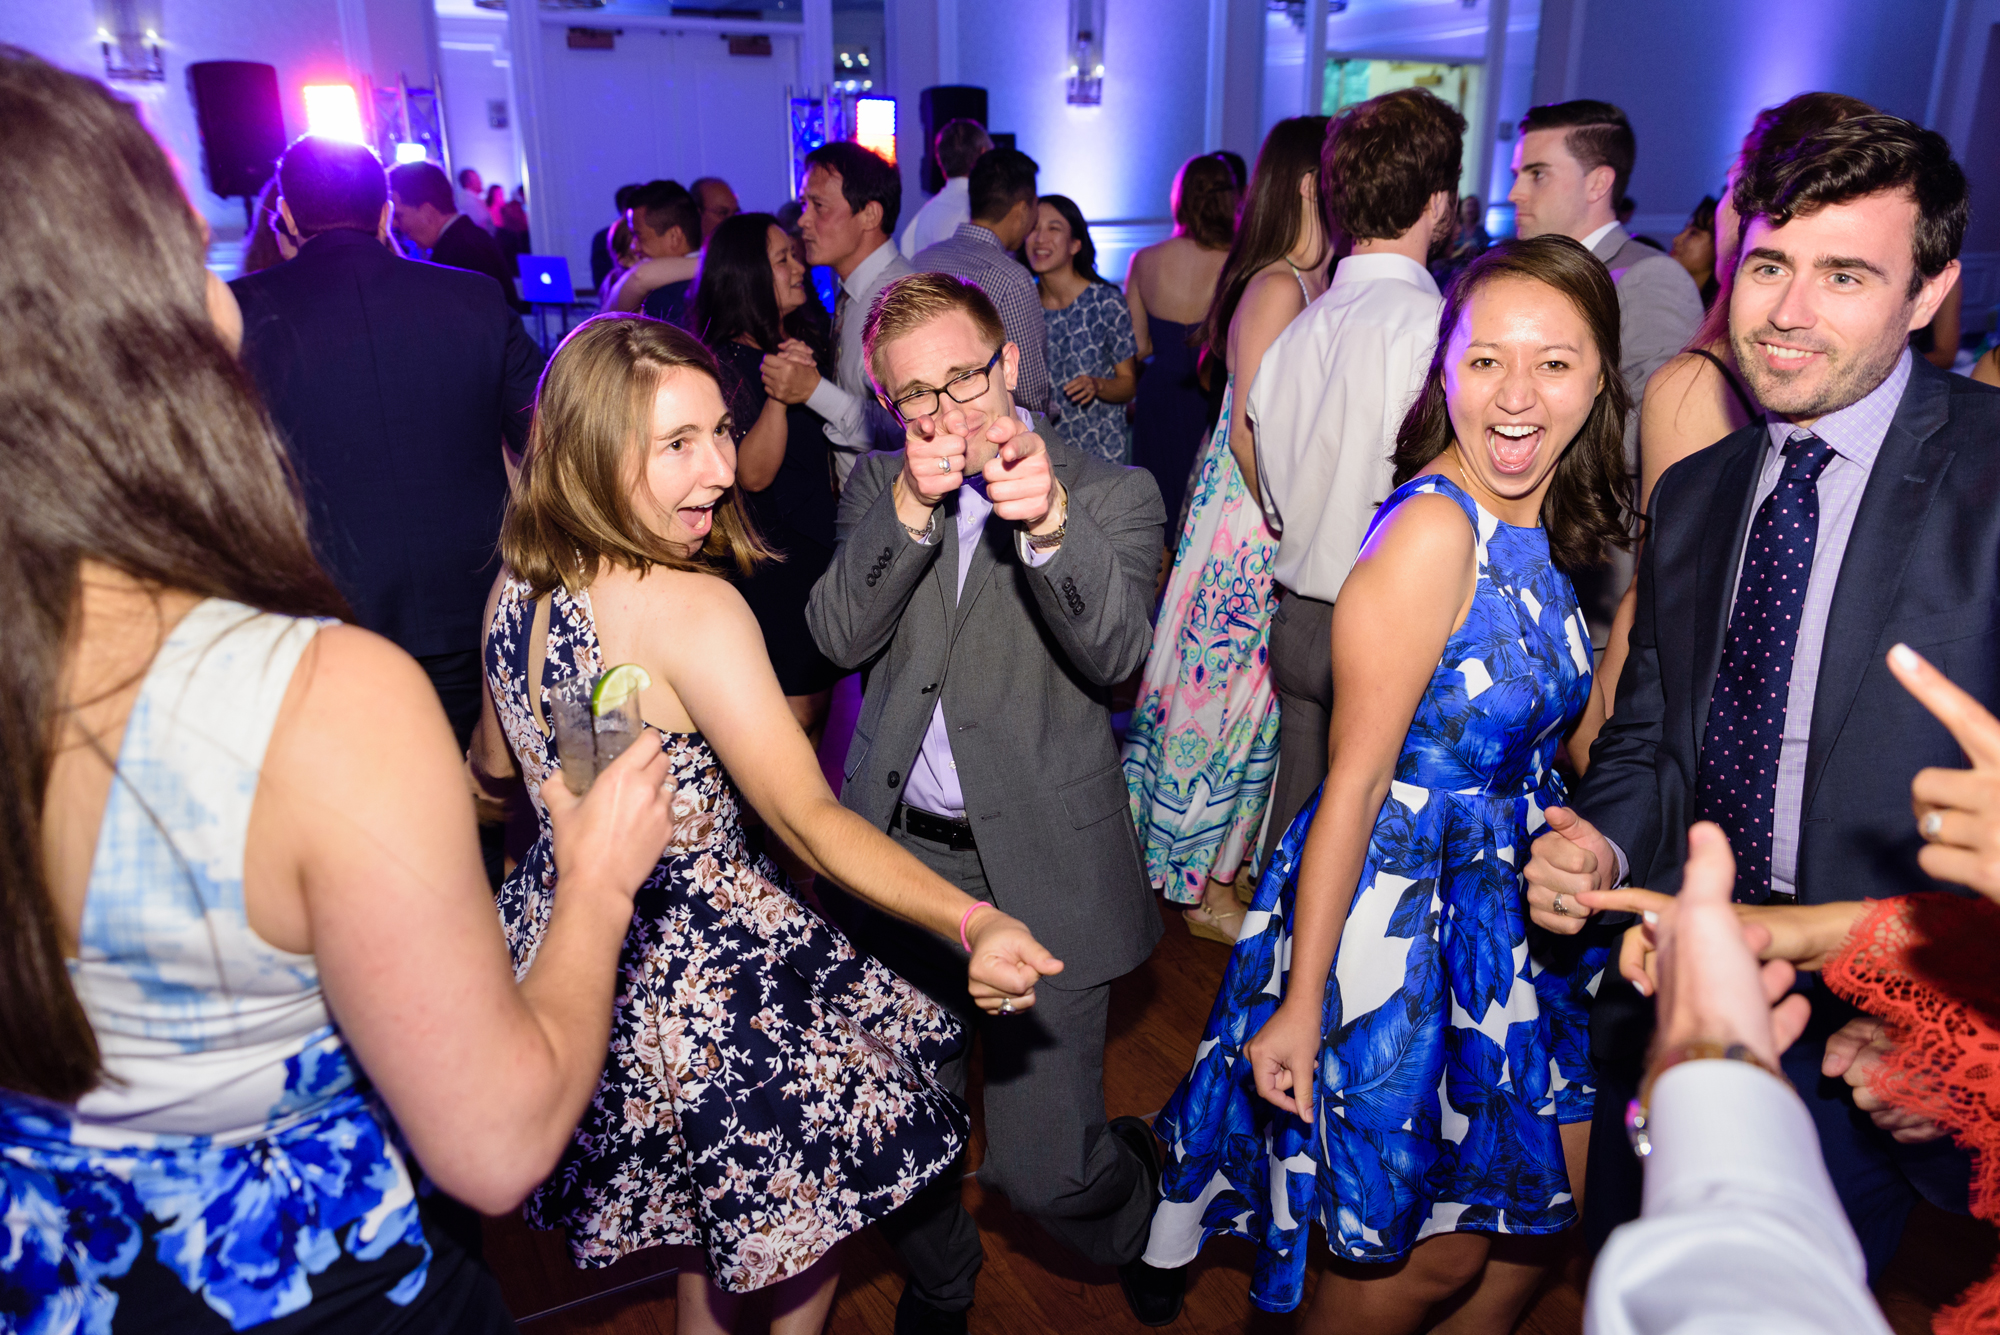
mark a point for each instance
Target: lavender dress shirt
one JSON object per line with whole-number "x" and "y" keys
{"x": 1856, "y": 433}
{"x": 933, "y": 782}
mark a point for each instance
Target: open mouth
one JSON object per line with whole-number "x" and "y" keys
{"x": 1782, "y": 358}
{"x": 697, "y": 519}
{"x": 1513, "y": 447}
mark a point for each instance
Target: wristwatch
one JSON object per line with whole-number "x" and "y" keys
{"x": 1638, "y": 1112}
{"x": 1054, "y": 537}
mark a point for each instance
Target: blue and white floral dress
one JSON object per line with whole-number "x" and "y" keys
{"x": 231, "y": 1168}
{"x": 1455, "y": 1034}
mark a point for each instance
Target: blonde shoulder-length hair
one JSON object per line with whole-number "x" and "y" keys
{"x": 572, "y": 504}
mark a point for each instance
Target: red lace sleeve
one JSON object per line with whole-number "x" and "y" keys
{"x": 1924, "y": 964}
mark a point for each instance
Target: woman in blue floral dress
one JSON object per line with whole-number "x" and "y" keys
{"x": 1093, "y": 359}
{"x": 253, "y": 1000}
{"x": 1395, "y": 1054}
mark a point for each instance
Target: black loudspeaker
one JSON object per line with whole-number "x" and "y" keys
{"x": 941, "y": 105}
{"x": 241, "y": 123}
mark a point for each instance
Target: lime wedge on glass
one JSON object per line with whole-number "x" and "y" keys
{"x": 617, "y": 686}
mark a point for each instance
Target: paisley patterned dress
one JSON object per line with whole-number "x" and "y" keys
{"x": 1455, "y": 1034}
{"x": 1203, "y": 742}
{"x": 768, "y": 1090}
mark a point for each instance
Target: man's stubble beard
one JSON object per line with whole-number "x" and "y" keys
{"x": 1849, "y": 379}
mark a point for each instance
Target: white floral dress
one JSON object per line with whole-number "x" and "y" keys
{"x": 768, "y": 1091}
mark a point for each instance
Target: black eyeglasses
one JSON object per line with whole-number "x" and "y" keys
{"x": 961, "y": 389}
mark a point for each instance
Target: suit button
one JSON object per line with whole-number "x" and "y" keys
{"x": 895, "y": 777}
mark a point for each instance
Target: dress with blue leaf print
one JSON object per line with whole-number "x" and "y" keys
{"x": 1455, "y": 1034}
{"x": 231, "y": 1168}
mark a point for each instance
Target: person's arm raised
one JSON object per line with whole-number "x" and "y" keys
{"x": 360, "y": 807}
{"x": 717, "y": 664}
{"x": 1410, "y": 589}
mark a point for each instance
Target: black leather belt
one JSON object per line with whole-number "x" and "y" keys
{"x": 954, "y": 834}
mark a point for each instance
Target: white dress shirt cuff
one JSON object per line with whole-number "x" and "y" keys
{"x": 1742, "y": 1231}
{"x": 844, "y": 414}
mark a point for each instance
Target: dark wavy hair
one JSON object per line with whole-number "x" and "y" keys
{"x": 1085, "y": 260}
{"x": 129, "y": 435}
{"x": 733, "y": 293}
{"x": 1865, "y": 155}
{"x": 1589, "y": 505}
{"x": 1270, "y": 221}
{"x": 1385, "y": 158}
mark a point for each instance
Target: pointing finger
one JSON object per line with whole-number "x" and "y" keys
{"x": 1969, "y": 722}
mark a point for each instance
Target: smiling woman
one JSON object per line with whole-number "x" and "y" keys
{"x": 1407, "y": 1044}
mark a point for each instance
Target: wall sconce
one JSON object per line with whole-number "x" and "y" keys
{"x": 128, "y": 32}
{"x": 1086, "y": 52}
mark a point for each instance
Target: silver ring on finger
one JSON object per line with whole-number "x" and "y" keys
{"x": 1561, "y": 912}
{"x": 1932, "y": 825}
{"x": 1006, "y": 1006}
{"x": 944, "y": 464}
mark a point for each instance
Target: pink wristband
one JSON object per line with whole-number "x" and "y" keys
{"x": 965, "y": 918}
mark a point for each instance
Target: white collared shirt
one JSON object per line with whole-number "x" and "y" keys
{"x": 1326, "y": 404}
{"x": 939, "y": 217}
{"x": 1741, "y": 1229}
{"x": 855, "y": 423}
{"x": 1590, "y": 242}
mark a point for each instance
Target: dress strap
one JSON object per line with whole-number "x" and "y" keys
{"x": 1736, "y": 389}
{"x": 1304, "y": 291}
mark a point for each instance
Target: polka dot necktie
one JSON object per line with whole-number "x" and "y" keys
{"x": 1738, "y": 783}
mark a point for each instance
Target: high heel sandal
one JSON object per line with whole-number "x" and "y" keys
{"x": 1212, "y": 928}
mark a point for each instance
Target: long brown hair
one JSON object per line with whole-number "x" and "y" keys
{"x": 1588, "y": 506}
{"x": 1269, "y": 225}
{"x": 572, "y": 506}
{"x": 128, "y": 435}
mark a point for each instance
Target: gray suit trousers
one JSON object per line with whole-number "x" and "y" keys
{"x": 1302, "y": 677}
{"x": 1046, "y": 1146}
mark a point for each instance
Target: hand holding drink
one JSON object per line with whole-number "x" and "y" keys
{"x": 596, "y": 720}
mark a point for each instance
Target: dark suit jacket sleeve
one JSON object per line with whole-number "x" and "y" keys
{"x": 521, "y": 372}
{"x": 1620, "y": 793}
{"x": 857, "y": 603}
{"x": 1096, "y": 593}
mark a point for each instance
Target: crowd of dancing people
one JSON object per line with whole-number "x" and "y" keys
{"x": 1558, "y": 668}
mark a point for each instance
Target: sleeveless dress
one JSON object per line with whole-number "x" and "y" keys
{"x": 768, "y": 1090}
{"x": 1169, "y": 412}
{"x": 1203, "y": 742}
{"x": 232, "y": 1168}
{"x": 1455, "y": 1033}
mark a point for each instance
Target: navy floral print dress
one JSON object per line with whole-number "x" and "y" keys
{"x": 1090, "y": 336}
{"x": 1455, "y": 1034}
{"x": 768, "y": 1090}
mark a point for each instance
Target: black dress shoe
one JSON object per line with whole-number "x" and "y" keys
{"x": 1154, "y": 1294}
{"x": 914, "y": 1316}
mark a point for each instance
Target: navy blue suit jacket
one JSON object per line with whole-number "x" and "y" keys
{"x": 394, "y": 384}
{"x": 1922, "y": 567}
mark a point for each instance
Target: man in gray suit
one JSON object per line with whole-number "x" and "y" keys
{"x": 1572, "y": 163}
{"x": 995, "y": 584}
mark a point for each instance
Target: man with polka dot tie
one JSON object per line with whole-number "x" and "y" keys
{"x": 1780, "y": 566}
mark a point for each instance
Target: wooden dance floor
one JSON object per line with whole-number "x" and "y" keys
{"x": 1030, "y": 1286}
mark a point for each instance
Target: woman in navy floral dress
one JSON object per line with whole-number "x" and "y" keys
{"x": 1093, "y": 360}
{"x": 1395, "y": 1053}
{"x": 767, "y": 1090}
